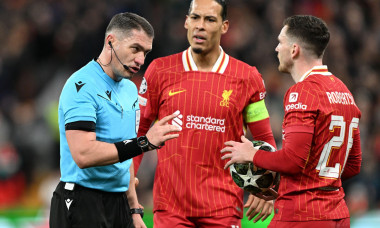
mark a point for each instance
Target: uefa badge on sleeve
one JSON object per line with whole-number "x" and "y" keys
{"x": 143, "y": 86}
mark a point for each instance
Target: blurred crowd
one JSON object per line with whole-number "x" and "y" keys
{"x": 42, "y": 42}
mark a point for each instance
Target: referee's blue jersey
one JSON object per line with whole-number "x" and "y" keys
{"x": 91, "y": 95}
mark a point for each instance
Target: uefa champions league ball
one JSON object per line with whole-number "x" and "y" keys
{"x": 251, "y": 178}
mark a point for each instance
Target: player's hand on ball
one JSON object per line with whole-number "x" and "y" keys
{"x": 239, "y": 152}
{"x": 255, "y": 180}
{"x": 159, "y": 133}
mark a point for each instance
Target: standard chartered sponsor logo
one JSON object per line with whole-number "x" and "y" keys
{"x": 177, "y": 121}
{"x": 200, "y": 122}
{"x": 205, "y": 123}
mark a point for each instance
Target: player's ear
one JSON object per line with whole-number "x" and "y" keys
{"x": 295, "y": 50}
{"x": 186, "y": 21}
{"x": 225, "y": 26}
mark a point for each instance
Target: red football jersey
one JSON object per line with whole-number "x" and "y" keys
{"x": 320, "y": 104}
{"x": 190, "y": 179}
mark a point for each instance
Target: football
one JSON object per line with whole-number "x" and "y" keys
{"x": 251, "y": 178}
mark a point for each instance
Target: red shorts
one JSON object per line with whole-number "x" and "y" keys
{"x": 164, "y": 219}
{"x": 338, "y": 223}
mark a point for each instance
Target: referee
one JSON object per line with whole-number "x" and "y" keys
{"x": 98, "y": 119}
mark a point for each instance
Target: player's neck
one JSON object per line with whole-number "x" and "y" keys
{"x": 302, "y": 67}
{"x": 206, "y": 61}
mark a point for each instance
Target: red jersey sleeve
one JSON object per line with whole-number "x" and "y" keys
{"x": 354, "y": 159}
{"x": 256, "y": 83}
{"x": 292, "y": 156}
{"x": 148, "y": 99}
{"x": 149, "y": 96}
{"x": 260, "y": 128}
{"x": 300, "y": 109}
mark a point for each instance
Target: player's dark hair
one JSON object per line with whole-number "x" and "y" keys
{"x": 310, "y": 30}
{"x": 220, "y": 2}
{"x": 126, "y": 22}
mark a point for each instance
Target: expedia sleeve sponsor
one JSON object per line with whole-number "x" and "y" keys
{"x": 298, "y": 106}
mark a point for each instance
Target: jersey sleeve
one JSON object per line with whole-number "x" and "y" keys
{"x": 149, "y": 93}
{"x": 255, "y": 110}
{"x": 298, "y": 128}
{"x": 261, "y": 130}
{"x": 301, "y": 110}
{"x": 354, "y": 159}
{"x": 256, "y": 83}
{"x": 255, "y": 114}
{"x": 148, "y": 101}
{"x": 295, "y": 152}
{"x": 78, "y": 105}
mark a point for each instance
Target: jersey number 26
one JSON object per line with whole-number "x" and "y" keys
{"x": 336, "y": 142}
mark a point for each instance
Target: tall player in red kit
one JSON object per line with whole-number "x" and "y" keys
{"x": 321, "y": 140}
{"x": 216, "y": 95}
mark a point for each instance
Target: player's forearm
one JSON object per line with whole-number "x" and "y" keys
{"x": 261, "y": 130}
{"x": 350, "y": 171}
{"x": 354, "y": 160}
{"x": 290, "y": 159}
{"x": 276, "y": 161}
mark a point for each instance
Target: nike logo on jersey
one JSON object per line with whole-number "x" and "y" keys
{"x": 171, "y": 93}
{"x": 68, "y": 203}
{"x": 79, "y": 85}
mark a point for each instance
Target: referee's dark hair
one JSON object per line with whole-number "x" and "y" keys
{"x": 220, "y": 2}
{"x": 311, "y": 31}
{"x": 126, "y": 22}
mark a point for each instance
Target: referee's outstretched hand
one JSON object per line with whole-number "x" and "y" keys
{"x": 159, "y": 133}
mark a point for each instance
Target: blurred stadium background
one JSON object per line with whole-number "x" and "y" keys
{"x": 42, "y": 42}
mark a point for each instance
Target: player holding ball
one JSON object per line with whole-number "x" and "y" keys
{"x": 321, "y": 138}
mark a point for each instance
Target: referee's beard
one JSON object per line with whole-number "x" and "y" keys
{"x": 123, "y": 75}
